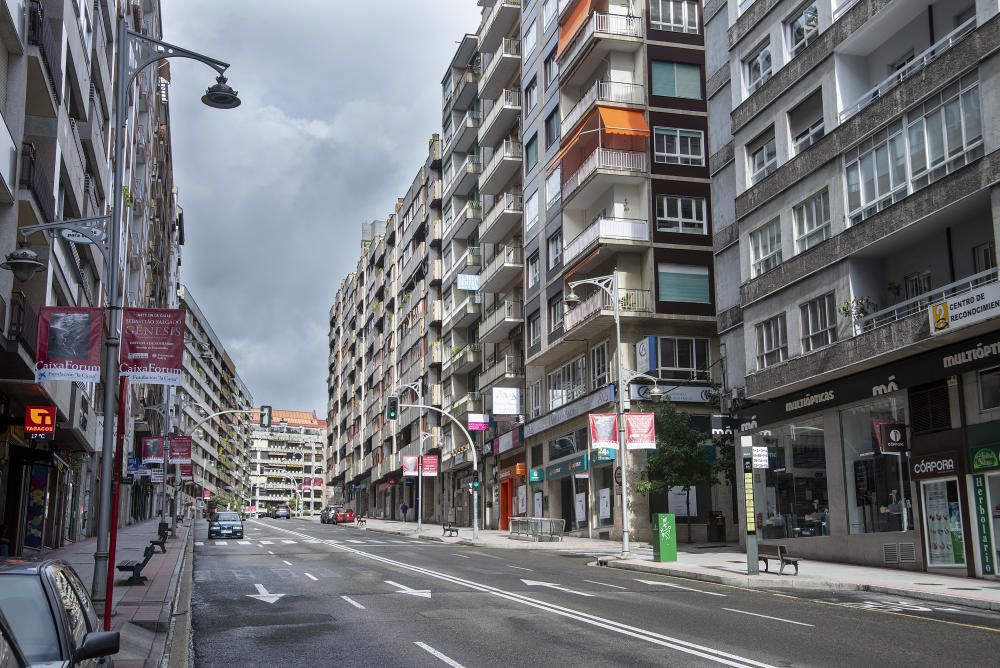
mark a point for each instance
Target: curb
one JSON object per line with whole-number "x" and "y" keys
{"x": 163, "y": 641}
{"x": 792, "y": 586}
{"x": 407, "y": 534}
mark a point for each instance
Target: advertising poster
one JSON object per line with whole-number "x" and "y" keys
{"x": 430, "y": 465}
{"x": 604, "y": 503}
{"x": 944, "y": 525}
{"x": 538, "y": 504}
{"x": 640, "y": 431}
{"x": 522, "y": 500}
{"x": 478, "y": 422}
{"x": 152, "y": 348}
{"x": 69, "y": 344}
{"x": 410, "y": 466}
{"x": 677, "y": 501}
{"x": 34, "y": 515}
{"x": 506, "y": 401}
{"x": 152, "y": 450}
{"x": 581, "y": 507}
{"x": 604, "y": 430}
{"x": 180, "y": 449}
{"x": 187, "y": 472}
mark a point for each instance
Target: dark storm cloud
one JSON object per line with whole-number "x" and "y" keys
{"x": 339, "y": 99}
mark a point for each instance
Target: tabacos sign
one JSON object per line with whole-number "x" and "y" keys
{"x": 40, "y": 420}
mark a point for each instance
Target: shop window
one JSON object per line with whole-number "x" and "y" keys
{"x": 880, "y": 500}
{"x": 943, "y": 523}
{"x": 989, "y": 389}
{"x": 930, "y": 408}
{"x": 792, "y": 501}
{"x": 572, "y": 443}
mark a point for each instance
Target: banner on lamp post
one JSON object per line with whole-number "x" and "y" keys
{"x": 429, "y": 465}
{"x": 410, "y": 466}
{"x": 152, "y": 450}
{"x": 152, "y": 347}
{"x": 640, "y": 431}
{"x": 187, "y": 472}
{"x": 69, "y": 344}
{"x": 180, "y": 449}
{"x": 604, "y": 430}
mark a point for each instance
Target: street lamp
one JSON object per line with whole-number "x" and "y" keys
{"x": 609, "y": 284}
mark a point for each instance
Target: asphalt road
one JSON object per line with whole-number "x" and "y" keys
{"x": 297, "y": 593}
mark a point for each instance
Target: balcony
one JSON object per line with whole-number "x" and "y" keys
{"x": 496, "y": 325}
{"x": 503, "y": 219}
{"x": 918, "y": 63}
{"x": 434, "y": 356}
{"x": 49, "y": 55}
{"x": 471, "y": 402}
{"x": 591, "y": 315}
{"x": 466, "y": 313}
{"x": 437, "y": 272}
{"x": 507, "y": 264}
{"x": 434, "y": 231}
{"x": 598, "y": 36}
{"x": 464, "y": 177}
{"x": 465, "y": 359}
{"x": 499, "y": 22}
{"x": 36, "y": 179}
{"x": 505, "y": 371}
{"x": 465, "y": 88}
{"x": 434, "y": 313}
{"x": 612, "y": 233}
{"x": 502, "y": 114}
{"x": 465, "y": 132}
{"x": 607, "y": 92}
{"x": 604, "y": 167}
{"x": 499, "y": 67}
{"x": 472, "y": 257}
{"x": 505, "y": 163}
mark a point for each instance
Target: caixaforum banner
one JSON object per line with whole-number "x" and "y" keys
{"x": 69, "y": 344}
{"x": 153, "y": 345}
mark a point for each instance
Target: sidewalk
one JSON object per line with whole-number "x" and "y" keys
{"x": 142, "y": 613}
{"x": 726, "y": 564}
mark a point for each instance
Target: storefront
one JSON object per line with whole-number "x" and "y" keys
{"x": 984, "y": 481}
{"x": 568, "y": 487}
{"x": 941, "y": 477}
{"x": 511, "y": 476}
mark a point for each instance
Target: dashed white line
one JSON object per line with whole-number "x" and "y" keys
{"x": 460, "y": 556}
{"x": 288, "y": 542}
{"x": 353, "y": 602}
{"x": 269, "y": 552}
{"x": 677, "y": 586}
{"x": 199, "y": 544}
{"x": 267, "y": 542}
{"x": 312, "y": 577}
{"x": 287, "y": 562}
{"x": 356, "y": 542}
{"x": 777, "y": 619}
{"x": 220, "y": 542}
{"x": 243, "y": 542}
{"x": 604, "y": 583}
{"x": 444, "y": 658}
{"x": 521, "y": 568}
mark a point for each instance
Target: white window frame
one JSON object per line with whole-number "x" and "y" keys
{"x": 818, "y": 322}
{"x": 534, "y": 269}
{"x": 554, "y": 246}
{"x": 551, "y": 68}
{"x": 600, "y": 365}
{"x": 765, "y": 248}
{"x": 675, "y": 371}
{"x": 670, "y": 215}
{"x": 555, "y": 313}
{"x": 662, "y": 15}
{"x": 771, "y": 341}
{"x": 534, "y": 329}
{"x": 812, "y": 221}
{"x": 984, "y": 256}
{"x": 763, "y": 159}
{"x": 531, "y": 211}
{"x": 808, "y": 13}
{"x": 809, "y": 136}
{"x": 549, "y": 11}
{"x": 530, "y": 38}
{"x": 567, "y": 383}
{"x": 662, "y": 155}
{"x": 759, "y": 67}
{"x": 530, "y": 94}
{"x": 553, "y": 187}
{"x": 535, "y": 398}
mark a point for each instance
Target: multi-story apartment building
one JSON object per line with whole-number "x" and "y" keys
{"x": 623, "y": 191}
{"x": 288, "y": 462}
{"x": 212, "y": 385}
{"x": 385, "y": 339}
{"x": 854, "y": 193}
{"x": 56, "y": 99}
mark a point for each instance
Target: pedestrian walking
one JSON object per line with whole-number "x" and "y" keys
{"x": 402, "y": 509}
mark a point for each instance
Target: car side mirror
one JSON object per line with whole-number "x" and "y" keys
{"x": 97, "y": 644}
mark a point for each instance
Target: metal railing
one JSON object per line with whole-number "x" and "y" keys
{"x": 507, "y": 309}
{"x": 506, "y": 365}
{"x": 619, "y": 25}
{"x": 41, "y": 36}
{"x": 513, "y": 202}
{"x": 509, "y": 47}
{"x": 508, "y": 99}
{"x": 470, "y": 120}
{"x": 542, "y": 529}
{"x": 491, "y": 17}
{"x": 604, "y": 158}
{"x": 511, "y": 150}
{"x": 506, "y": 255}
{"x": 604, "y": 91}
{"x": 35, "y": 178}
{"x": 629, "y": 301}
{"x": 920, "y": 303}
{"x": 611, "y": 228}
{"x": 909, "y": 69}
{"x": 470, "y": 350}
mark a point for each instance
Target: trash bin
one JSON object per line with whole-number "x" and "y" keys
{"x": 717, "y": 527}
{"x": 664, "y": 537}
{"x": 163, "y": 528}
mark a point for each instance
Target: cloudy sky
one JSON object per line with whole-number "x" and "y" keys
{"x": 339, "y": 99}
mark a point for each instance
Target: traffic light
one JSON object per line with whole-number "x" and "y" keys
{"x": 265, "y": 416}
{"x": 392, "y": 407}
{"x": 475, "y": 480}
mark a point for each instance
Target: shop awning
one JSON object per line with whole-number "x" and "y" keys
{"x": 574, "y": 20}
{"x": 623, "y": 122}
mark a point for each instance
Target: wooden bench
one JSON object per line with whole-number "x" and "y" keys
{"x": 450, "y": 529}
{"x": 780, "y": 554}
{"x": 136, "y": 567}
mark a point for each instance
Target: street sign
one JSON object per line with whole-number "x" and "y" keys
{"x": 133, "y": 464}
{"x": 75, "y": 237}
{"x": 618, "y": 475}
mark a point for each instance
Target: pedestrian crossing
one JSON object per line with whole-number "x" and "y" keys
{"x": 312, "y": 541}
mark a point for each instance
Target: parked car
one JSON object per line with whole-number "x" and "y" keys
{"x": 339, "y": 514}
{"x": 225, "y": 525}
{"x": 51, "y": 616}
{"x": 283, "y": 512}
{"x": 10, "y": 653}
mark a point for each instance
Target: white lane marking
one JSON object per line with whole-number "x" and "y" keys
{"x": 777, "y": 619}
{"x": 444, "y": 658}
{"x": 401, "y": 542}
{"x": 288, "y": 542}
{"x": 356, "y": 542}
{"x": 488, "y": 556}
{"x": 243, "y": 542}
{"x": 267, "y": 542}
{"x": 312, "y": 577}
{"x": 422, "y": 593}
{"x": 198, "y": 544}
{"x": 460, "y": 556}
{"x": 521, "y": 568}
{"x": 604, "y": 583}
{"x": 602, "y": 623}
{"x": 353, "y": 602}
{"x": 314, "y": 541}
{"x": 287, "y": 562}
{"x": 375, "y": 542}
{"x": 677, "y": 586}
{"x": 220, "y": 542}
{"x": 269, "y": 552}
{"x": 553, "y": 585}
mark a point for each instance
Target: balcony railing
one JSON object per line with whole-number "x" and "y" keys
{"x": 939, "y": 48}
{"x": 497, "y": 7}
{"x": 509, "y": 47}
{"x": 471, "y": 119}
{"x": 511, "y": 150}
{"x": 612, "y": 228}
{"x": 618, "y": 25}
{"x": 507, "y": 309}
{"x": 629, "y": 301}
{"x": 507, "y": 365}
{"x": 604, "y": 158}
{"x": 604, "y": 91}
{"x": 41, "y": 36}
{"x": 35, "y": 178}
{"x": 513, "y": 202}
{"x": 23, "y": 327}
{"x": 508, "y": 99}
{"x": 920, "y": 303}
{"x": 506, "y": 255}
{"x": 471, "y": 349}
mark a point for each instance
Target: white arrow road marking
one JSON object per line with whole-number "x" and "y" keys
{"x": 353, "y": 602}
{"x": 446, "y": 659}
{"x": 263, "y": 595}
{"x": 605, "y": 584}
{"x": 777, "y": 619}
{"x": 423, "y": 593}
{"x": 553, "y": 585}
{"x": 676, "y": 586}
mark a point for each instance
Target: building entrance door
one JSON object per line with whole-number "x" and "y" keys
{"x": 506, "y": 498}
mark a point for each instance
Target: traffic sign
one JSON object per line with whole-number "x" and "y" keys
{"x": 618, "y": 475}
{"x": 265, "y": 416}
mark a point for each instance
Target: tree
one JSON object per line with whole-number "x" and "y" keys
{"x": 680, "y": 459}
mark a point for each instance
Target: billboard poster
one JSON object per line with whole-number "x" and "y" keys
{"x": 640, "y": 431}
{"x": 180, "y": 449}
{"x": 69, "y": 344}
{"x": 506, "y": 401}
{"x": 152, "y": 348}
{"x": 152, "y": 450}
{"x": 479, "y": 422}
{"x": 34, "y": 512}
{"x": 604, "y": 430}
{"x": 429, "y": 465}
{"x": 410, "y": 466}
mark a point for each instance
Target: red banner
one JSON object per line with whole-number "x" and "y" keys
{"x": 152, "y": 450}
{"x": 430, "y": 465}
{"x": 187, "y": 472}
{"x": 206, "y": 494}
{"x": 604, "y": 430}
{"x": 640, "y": 431}
{"x": 410, "y": 466}
{"x": 69, "y": 344}
{"x": 153, "y": 345}
{"x": 180, "y": 449}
